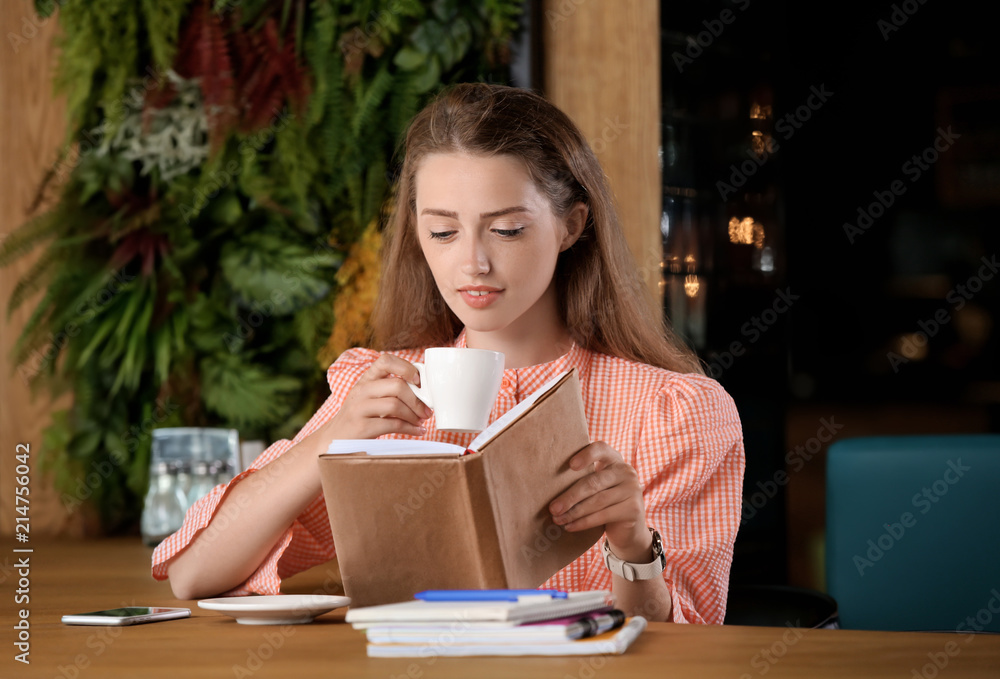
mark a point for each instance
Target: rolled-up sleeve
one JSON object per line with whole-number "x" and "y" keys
{"x": 691, "y": 461}
{"x": 307, "y": 541}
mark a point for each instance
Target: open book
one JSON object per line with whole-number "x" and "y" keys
{"x": 414, "y": 447}
{"x": 403, "y": 523}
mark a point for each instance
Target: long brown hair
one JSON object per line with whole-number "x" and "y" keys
{"x": 601, "y": 297}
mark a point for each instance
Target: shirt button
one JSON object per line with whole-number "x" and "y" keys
{"x": 507, "y": 383}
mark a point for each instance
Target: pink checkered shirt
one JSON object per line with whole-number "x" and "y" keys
{"x": 681, "y": 432}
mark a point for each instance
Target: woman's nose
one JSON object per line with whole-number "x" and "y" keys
{"x": 475, "y": 259}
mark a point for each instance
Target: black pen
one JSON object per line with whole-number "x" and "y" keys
{"x": 599, "y": 624}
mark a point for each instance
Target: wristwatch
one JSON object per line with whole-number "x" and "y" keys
{"x": 637, "y": 571}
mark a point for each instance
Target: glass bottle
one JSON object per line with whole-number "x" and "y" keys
{"x": 202, "y": 483}
{"x": 164, "y": 506}
{"x": 184, "y": 478}
{"x": 223, "y": 471}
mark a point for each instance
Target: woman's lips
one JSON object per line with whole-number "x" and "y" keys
{"x": 480, "y": 297}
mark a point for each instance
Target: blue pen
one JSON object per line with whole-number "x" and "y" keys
{"x": 485, "y": 594}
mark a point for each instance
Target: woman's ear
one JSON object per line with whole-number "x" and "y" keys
{"x": 576, "y": 220}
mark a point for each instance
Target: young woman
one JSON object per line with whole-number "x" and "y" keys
{"x": 505, "y": 237}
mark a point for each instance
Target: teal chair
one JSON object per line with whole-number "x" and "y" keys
{"x": 913, "y": 532}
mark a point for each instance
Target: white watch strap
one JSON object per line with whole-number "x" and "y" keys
{"x": 635, "y": 571}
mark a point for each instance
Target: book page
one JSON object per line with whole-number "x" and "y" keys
{"x": 415, "y": 447}
{"x": 392, "y": 447}
{"x": 501, "y": 422}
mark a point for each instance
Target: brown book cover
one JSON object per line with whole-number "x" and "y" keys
{"x": 406, "y": 523}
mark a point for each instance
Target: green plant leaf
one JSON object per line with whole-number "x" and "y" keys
{"x": 247, "y": 394}
{"x": 429, "y": 76}
{"x": 161, "y": 342}
{"x": 240, "y": 250}
{"x": 25, "y": 237}
{"x": 409, "y": 59}
{"x": 103, "y": 330}
{"x": 271, "y": 273}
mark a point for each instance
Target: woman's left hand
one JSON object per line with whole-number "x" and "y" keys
{"x": 610, "y": 496}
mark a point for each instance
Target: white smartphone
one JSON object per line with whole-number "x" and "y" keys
{"x": 130, "y": 615}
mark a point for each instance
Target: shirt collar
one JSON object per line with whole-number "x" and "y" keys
{"x": 534, "y": 376}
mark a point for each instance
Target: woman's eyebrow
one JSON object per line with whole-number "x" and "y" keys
{"x": 484, "y": 215}
{"x": 505, "y": 211}
{"x": 439, "y": 213}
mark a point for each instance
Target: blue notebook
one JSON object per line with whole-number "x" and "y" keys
{"x": 525, "y": 609}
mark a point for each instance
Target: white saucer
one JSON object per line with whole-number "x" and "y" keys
{"x": 282, "y": 609}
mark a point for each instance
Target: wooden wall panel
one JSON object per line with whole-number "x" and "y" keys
{"x": 32, "y": 124}
{"x": 602, "y": 67}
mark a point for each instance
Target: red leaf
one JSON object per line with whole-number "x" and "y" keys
{"x": 203, "y": 52}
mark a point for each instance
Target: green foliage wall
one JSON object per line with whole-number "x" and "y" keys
{"x": 221, "y": 158}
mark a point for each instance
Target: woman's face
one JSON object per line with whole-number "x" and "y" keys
{"x": 491, "y": 241}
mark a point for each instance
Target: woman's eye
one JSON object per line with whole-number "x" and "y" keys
{"x": 509, "y": 233}
{"x": 440, "y": 235}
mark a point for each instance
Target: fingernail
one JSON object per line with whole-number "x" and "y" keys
{"x": 423, "y": 430}
{"x": 556, "y": 508}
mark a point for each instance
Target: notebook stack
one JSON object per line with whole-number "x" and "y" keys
{"x": 497, "y": 623}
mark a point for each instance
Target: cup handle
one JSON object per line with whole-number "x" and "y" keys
{"x": 421, "y": 392}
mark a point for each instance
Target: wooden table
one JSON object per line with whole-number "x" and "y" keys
{"x": 76, "y": 577}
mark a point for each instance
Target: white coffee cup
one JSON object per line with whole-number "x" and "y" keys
{"x": 461, "y": 385}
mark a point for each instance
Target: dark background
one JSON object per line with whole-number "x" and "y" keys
{"x": 856, "y": 303}
{"x": 827, "y": 356}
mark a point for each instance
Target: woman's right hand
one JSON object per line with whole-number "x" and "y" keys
{"x": 380, "y": 403}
